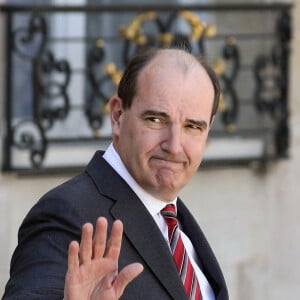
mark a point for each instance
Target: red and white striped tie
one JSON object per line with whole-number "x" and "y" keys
{"x": 181, "y": 259}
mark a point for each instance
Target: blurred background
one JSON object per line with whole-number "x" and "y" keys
{"x": 61, "y": 60}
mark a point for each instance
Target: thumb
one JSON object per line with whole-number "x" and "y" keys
{"x": 127, "y": 274}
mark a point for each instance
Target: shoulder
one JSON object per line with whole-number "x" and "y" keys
{"x": 66, "y": 208}
{"x": 66, "y": 195}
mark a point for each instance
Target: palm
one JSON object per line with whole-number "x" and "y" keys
{"x": 93, "y": 266}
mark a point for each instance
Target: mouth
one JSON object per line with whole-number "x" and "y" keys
{"x": 168, "y": 163}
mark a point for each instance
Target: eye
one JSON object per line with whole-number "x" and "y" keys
{"x": 154, "y": 119}
{"x": 154, "y": 122}
{"x": 195, "y": 128}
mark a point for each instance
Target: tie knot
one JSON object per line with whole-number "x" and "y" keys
{"x": 169, "y": 211}
{"x": 170, "y": 216}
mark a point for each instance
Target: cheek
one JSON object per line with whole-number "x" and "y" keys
{"x": 195, "y": 149}
{"x": 148, "y": 140}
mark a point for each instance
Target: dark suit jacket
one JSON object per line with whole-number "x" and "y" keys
{"x": 39, "y": 262}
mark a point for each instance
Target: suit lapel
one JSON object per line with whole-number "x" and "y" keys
{"x": 149, "y": 243}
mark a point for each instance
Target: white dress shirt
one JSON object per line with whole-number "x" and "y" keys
{"x": 154, "y": 206}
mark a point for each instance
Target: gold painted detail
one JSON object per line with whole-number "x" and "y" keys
{"x": 111, "y": 71}
{"x": 198, "y": 27}
{"x": 134, "y": 32}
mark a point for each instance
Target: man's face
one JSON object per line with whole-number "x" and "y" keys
{"x": 162, "y": 137}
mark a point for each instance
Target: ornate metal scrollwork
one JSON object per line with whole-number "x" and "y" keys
{"x": 136, "y": 38}
{"x": 53, "y": 78}
{"x": 49, "y": 88}
{"x": 199, "y": 32}
{"x": 30, "y": 136}
{"x": 232, "y": 58}
{"x": 30, "y": 41}
{"x": 267, "y": 92}
{"x": 37, "y": 85}
{"x": 270, "y": 73}
{"x": 103, "y": 79}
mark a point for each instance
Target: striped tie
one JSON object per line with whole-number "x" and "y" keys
{"x": 181, "y": 259}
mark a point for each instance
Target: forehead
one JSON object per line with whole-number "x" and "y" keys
{"x": 170, "y": 84}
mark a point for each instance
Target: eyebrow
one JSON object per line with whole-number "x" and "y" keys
{"x": 155, "y": 113}
{"x": 199, "y": 123}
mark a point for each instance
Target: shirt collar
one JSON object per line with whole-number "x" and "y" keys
{"x": 153, "y": 205}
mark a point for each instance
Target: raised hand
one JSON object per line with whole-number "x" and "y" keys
{"x": 93, "y": 265}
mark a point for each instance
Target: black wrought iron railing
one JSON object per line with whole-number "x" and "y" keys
{"x": 62, "y": 64}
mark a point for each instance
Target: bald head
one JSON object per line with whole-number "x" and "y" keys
{"x": 177, "y": 59}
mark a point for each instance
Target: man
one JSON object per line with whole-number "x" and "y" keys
{"x": 160, "y": 121}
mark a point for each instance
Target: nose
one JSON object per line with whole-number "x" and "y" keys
{"x": 172, "y": 142}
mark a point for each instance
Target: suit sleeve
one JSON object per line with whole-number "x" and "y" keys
{"x": 39, "y": 263}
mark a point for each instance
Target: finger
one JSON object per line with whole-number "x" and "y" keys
{"x": 86, "y": 244}
{"x": 115, "y": 241}
{"x": 99, "y": 243}
{"x": 127, "y": 274}
{"x": 73, "y": 261}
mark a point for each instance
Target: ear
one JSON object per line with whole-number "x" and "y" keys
{"x": 116, "y": 112}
